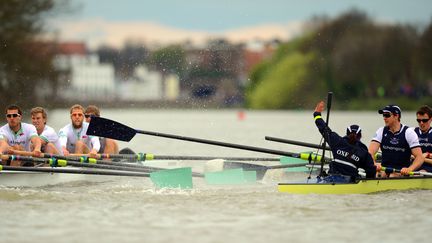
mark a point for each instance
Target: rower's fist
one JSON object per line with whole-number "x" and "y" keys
{"x": 319, "y": 107}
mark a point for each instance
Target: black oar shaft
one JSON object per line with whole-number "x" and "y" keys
{"x": 149, "y": 156}
{"x": 181, "y": 157}
{"x": 217, "y": 143}
{"x": 74, "y": 171}
{"x": 329, "y": 102}
{"x": 304, "y": 144}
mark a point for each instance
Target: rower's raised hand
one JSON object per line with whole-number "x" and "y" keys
{"x": 320, "y": 107}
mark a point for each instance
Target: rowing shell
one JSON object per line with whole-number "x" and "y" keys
{"x": 362, "y": 186}
{"x": 40, "y": 179}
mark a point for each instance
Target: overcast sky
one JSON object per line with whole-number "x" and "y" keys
{"x": 113, "y": 21}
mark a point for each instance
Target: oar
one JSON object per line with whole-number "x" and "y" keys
{"x": 174, "y": 178}
{"x": 389, "y": 170}
{"x": 228, "y": 162}
{"x": 86, "y": 161}
{"x": 150, "y": 156}
{"x": 104, "y": 127}
{"x": 261, "y": 170}
{"x": 55, "y": 162}
{"x": 329, "y": 101}
{"x": 73, "y": 171}
{"x": 304, "y": 144}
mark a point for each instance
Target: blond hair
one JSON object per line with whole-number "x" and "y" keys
{"x": 39, "y": 109}
{"x": 76, "y": 107}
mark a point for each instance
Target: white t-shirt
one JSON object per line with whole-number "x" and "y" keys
{"x": 410, "y": 136}
{"x": 22, "y": 137}
{"x": 68, "y": 137}
{"x": 49, "y": 135}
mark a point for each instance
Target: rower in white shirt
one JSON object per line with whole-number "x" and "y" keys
{"x": 73, "y": 137}
{"x": 17, "y": 135}
{"x": 48, "y": 136}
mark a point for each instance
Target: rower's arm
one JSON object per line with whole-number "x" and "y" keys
{"x": 373, "y": 149}
{"x": 95, "y": 144}
{"x": 418, "y": 158}
{"x": 36, "y": 141}
{"x": 4, "y": 146}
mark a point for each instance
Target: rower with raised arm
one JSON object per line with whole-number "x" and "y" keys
{"x": 17, "y": 135}
{"x": 48, "y": 136}
{"x": 349, "y": 153}
{"x": 397, "y": 143}
{"x": 107, "y": 145}
{"x": 424, "y": 133}
{"x": 73, "y": 137}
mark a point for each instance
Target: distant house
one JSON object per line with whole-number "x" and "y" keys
{"x": 83, "y": 76}
{"x": 148, "y": 85}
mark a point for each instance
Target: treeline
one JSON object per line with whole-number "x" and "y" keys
{"x": 366, "y": 64}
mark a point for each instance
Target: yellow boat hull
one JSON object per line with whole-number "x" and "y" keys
{"x": 361, "y": 187}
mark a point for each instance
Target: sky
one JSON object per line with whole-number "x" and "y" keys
{"x": 112, "y": 22}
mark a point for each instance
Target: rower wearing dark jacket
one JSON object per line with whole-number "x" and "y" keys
{"x": 424, "y": 133}
{"x": 397, "y": 142}
{"x": 349, "y": 153}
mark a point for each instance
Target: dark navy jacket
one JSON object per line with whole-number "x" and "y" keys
{"x": 347, "y": 158}
{"x": 396, "y": 147}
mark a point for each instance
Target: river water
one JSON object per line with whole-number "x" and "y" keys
{"x": 132, "y": 210}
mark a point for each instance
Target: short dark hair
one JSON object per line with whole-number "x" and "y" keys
{"x": 425, "y": 110}
{"x": 14, "y": 107}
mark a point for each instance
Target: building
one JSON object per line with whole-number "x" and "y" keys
{"x": 84, "y": 78}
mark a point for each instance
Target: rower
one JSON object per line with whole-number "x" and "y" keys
{"x": 17, "y": 135}
{"x": 397, "y": 143}
{"x": 73, "y": 137}
{"x": 49, "y": 139}
{"x": 349, "y": 153}
{"x": 424, "y": 133}
{"x": 107, "y": 145}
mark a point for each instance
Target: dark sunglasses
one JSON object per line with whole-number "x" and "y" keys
{"x": 387, "y": 115}
{"x": 422, "y": 120}
{"x": 12, "y": 115}
{"x": 87, "y": 115}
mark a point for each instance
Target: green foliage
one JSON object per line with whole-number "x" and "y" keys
{"x": 284, "y": 84}
{"x": 262, "y": 70}
{"x": 352, "y": 56}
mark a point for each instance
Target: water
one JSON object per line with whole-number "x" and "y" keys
{"x": 131, "y": 210}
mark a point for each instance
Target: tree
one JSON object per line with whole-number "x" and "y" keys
{"x": 170, "y": 59}
{"x": 287, "y": 85}
{"x": 25, "y": 60}
{"x": 425, "y": 51}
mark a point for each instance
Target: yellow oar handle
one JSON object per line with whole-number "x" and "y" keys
{"x": 310, "y": 156}
{"x": 393, "y": 170}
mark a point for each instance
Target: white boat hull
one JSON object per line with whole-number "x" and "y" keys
{"x": 40, "y": 179}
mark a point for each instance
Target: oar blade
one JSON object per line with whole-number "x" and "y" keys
{"x": 289, "y": 160}
{"x": 173, "y": 178}
{"x": 103, "y": 127}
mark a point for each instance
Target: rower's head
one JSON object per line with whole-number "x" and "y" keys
{"x": 391, "y": 114}
{"x": 424, "y": 115}
{"x": 353, "y": 133}
{"x": 90, "y": 111}
{"x": 77, "y": 115}
{"x": 13, "y": 116}
{"x": 39, "y": 117}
